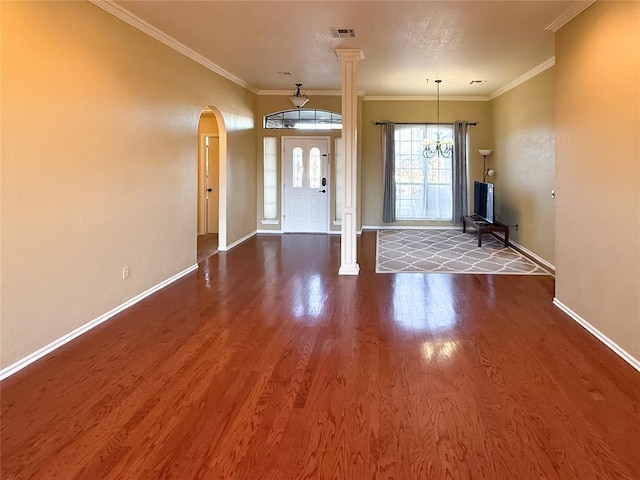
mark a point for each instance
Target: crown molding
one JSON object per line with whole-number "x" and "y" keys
{"x": 317, "y": 93}
{"x": 361, "y": 93}
{"x": 379, "y": 98}
{"x": 523, "y": 78}
{"x": 569, "y": 15}
{"x": 126, "y": 16}
{"x": 355, "y": 54}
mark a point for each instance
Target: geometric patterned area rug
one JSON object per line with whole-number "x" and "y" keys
{"x": 448, "y": 251}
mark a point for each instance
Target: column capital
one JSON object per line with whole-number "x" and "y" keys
{"x": 350, "y": 54}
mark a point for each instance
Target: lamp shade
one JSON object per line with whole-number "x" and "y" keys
{"x": 298, "y": 101}
{"x": 485, "y": 151}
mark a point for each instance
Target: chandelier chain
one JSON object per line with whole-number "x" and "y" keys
{"x": 440, "y": 148}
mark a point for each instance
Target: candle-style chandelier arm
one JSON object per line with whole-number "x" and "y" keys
{"x": 438, "y": 147}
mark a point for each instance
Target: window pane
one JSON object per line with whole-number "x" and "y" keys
{"x": 307, "y": 114}
{"x": 315, "y": 170}
{"x": 273, "y": 123}
{"x": 304, "y": 119}
{"x": 298, "y": 167}
{"x": 423, "y": 185}
{"x": 270, "y": 198}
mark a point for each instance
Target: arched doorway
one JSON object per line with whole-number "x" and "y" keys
{"x": 211, "y": 184}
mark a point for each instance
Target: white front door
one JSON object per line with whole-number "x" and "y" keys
{"x": 306, "y": 184}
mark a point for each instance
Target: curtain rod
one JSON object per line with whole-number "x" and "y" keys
{"x": 472, "y": 124}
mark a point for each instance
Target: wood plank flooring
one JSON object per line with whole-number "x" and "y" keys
{"x": 207, "y": 246}
{"x": 265, "y": 364}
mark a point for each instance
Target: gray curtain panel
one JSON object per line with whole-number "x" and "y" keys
{"x": 389, "y": 161}
{"x": 460, "y": 197}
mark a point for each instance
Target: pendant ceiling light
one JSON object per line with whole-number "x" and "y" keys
{"x": 298, "y": 98}
{"x": 439, "y": 147}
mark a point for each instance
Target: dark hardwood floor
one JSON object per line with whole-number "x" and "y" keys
{"x": 207, "y": 246}
{"x": 265, "y": 364}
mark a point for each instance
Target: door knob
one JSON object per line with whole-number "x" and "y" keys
{"x": 209, "y": 189}
{"x": 323, "y": 191}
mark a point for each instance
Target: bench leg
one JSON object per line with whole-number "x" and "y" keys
{"x": 506, "y": 237}
{"x": 479, "y": 238}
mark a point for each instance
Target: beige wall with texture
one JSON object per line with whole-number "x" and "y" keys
{"x": 414, "y": 111}
{"x": 598, "y": 170}
{"x": 99, "y": 166}
{"x": 524, "y": 160}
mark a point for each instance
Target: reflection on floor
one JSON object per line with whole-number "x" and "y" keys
{"x": 265, "y": 364}
{"x": 207, "y": 246}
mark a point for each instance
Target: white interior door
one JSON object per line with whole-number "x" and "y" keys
{"x": 305, "y": 183}
{"x": 211, "y": 184}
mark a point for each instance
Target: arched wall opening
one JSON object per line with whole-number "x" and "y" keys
{"x": 212, "y": 174}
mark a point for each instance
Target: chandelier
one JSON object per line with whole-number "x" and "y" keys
{"x": 437, "y": 147}
{"x": 298, "y": 98}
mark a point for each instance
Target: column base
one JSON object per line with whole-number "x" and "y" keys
{"x": 349, "y": 269}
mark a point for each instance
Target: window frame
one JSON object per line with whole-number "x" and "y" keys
{"x": 293, "y": 120}
{"x": 411, "y": 154}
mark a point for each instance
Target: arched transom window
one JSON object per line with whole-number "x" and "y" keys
{"x": 304, "y": 119}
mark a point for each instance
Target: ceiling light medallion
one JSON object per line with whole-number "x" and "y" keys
{"x": 298, "y": 98}
{"x": 439, "y": 147}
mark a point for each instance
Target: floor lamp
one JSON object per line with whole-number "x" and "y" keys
{"x": 485, "y": 152}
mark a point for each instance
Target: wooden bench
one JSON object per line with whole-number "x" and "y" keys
{"x": 482, "y": 226}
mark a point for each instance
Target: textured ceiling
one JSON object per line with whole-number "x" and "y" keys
{"x": 404, "y": 43}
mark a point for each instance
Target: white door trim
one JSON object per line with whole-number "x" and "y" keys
{"x": 283, "y": 142}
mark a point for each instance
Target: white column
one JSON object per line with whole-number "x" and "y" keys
{"x": 348, "y": 235}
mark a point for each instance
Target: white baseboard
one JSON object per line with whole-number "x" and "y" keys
{"x": 627, "y": 357}
{"x": 410, "y": 227}
{"x": 525, "y": 251}
{"x": 280, "y": 232}
{"x": 38, "y": 354}
{"x": 239, "y": 241}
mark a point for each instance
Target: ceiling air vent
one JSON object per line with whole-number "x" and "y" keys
{"x": 343, "y": 32}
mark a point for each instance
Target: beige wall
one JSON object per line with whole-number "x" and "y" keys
{"x": 598, "y": 169}
{"x": 406, "y": 111}
{"x": 268, "y": 104}
{"x": 524, "y": 159}
{"x": 99, "y": 166}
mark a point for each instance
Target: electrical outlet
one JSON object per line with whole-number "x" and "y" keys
{"x": 553, "y": 193}
{"x": 125, "y": 272}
